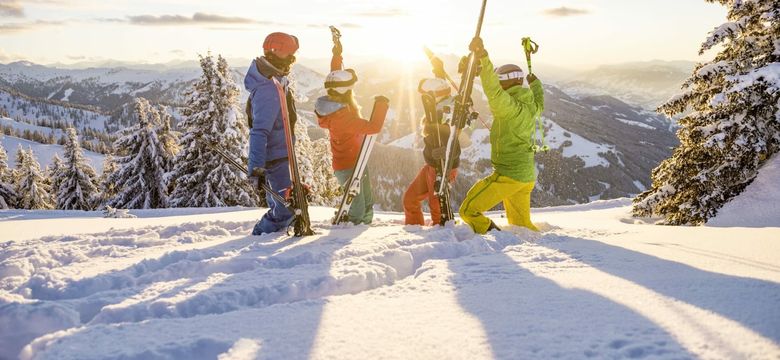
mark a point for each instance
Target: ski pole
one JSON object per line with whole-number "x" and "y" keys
{"x": 530, "y": 47}
{"x": 232, "y": 162}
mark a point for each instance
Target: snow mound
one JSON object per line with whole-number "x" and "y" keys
{"x": 758, "y": 205}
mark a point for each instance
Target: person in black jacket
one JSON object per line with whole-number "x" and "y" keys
{"x": 435, "y": 133}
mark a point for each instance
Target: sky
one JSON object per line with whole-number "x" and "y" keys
{"x": 571, "y": 33}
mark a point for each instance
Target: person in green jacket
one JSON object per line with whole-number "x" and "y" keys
{"x": 514, "y": 109}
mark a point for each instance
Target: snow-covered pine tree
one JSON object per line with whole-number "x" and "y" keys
{"x": 734, "y": 123}
{"x": 168, "y": 137}
{"x": 77, "y": 188}
{"x": 316, "y": 166}
{"x": 31, "y": 189}
{"x": 53, "y": 172}
{"x": 7, "y": 191}
{"x": 202, "y": 178}
{"x": 140, "y": 178}
{"x": 106, "y": 188}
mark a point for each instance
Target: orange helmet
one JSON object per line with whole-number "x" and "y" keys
{"x": 280, "y": 44}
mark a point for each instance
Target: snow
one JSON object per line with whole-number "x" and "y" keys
{"x": 758, "y": 205}
{"x": 405, "y": 142}
{"x": 22, "y": 126}
{"x": 635, "y": 123}
{"x": 580, "y": 147}
{"x": 480, "y": 146}
{"x": 68, "y": 93}
{"x": 44, "y": 153}
{"x": 190, "y": 283}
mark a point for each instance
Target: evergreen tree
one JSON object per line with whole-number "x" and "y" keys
{"x": 107, "y": 190}
{"x": 168, "y": 137}
{"x": 7, "y": 191}
{"x": 203, "y": 178}
{"x": 77, "y": 188}
{"x": 53, "y": 173}
{"x": 141, "y": 167}
{"x": 734, "y": 125}
{"x": 32, "y": 191}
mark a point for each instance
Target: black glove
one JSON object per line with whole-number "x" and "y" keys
{"x": 439, "y": 153}
{"x": 257, "y": 177}
{"x": 531, "y": 78}
{"x": 337, "y": 48}
{"x": 464, "y": 62}
{"x": 478, "y": 47}
{"x": 381, "y": 99}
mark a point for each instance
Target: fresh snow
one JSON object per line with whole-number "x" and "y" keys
{"x": 68, "y": 93}
{"x": 758, "y": 205}
{"x": 22, "y": 126}
{"x": 580, "y": 147}
{"x": 635, "y": 123}
{"x": 191, "y": 284}
{"x": 44, "y": 153}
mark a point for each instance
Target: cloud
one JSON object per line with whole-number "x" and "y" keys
{"x": 15, "y": 8}
{"x": 383, "y": 13}
{"x": 564, "y": 11}
{"x": 342, "y": 25}
{"x": 197, "y": 18}
{"x": 9, "y": 28}
{"x": 11, "y": 8}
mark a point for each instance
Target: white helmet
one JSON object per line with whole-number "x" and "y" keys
{"x": 438, "y": 87}
{"x": 341, "y": 81}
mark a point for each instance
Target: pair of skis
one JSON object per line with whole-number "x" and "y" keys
{"x": 352, "y": 186}
{"x": 432, "y": 116}
{"x": 462, "y": 114}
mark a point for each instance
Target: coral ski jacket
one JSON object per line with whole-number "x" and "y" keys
{"x": 347, "y": 129}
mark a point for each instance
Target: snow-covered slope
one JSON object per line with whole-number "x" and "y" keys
{"x": 176, "y": 284}
{"x": 758, "y": 205}
{"x": 44, "y": 153}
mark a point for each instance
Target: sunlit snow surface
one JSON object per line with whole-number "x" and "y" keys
{"x": 191, "y": 284}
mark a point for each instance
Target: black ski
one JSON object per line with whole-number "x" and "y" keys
{"x": 461, "y": 114}
{"x": 432, "y": 117}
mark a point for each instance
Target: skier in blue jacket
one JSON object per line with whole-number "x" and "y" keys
{"x": 268, "y": 161}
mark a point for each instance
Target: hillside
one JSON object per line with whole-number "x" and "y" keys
{"x": 45, "y": 153}
{"x": 602, "y": 147}
{"x": 190, "y": 283}
{"x": 647, "y": 84}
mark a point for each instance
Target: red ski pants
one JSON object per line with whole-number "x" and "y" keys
{"x": 422, "y": 188}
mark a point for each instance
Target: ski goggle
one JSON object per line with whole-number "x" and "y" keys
{"x": 514, "y": 75}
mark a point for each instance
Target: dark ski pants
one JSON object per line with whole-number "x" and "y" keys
{"x": 362, "y": 209}
{"x": 277, "y": 217}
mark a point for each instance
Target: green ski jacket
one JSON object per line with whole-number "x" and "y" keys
{"x": 512, "y": 133}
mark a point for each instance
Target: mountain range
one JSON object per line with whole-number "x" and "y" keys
{"x": 602, "y": 146}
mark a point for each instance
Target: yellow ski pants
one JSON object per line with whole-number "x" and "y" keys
{"x": 491, "y": 190}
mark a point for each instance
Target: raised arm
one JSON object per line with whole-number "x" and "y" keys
{"x": 501, "y": 103}
{"x": 373, "y": 125}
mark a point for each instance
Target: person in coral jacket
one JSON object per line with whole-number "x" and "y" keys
{"x": 435, "y": 135}
{"x": 340, "y": 115}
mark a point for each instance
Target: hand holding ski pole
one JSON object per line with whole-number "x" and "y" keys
{"x": 257, "y": 177}
{"x": 337, "y": 47}
{"x": 530, "y": 47}
{"x": 478, "y": 47}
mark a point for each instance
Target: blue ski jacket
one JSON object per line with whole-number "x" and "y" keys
{"x": 266, "y": 137}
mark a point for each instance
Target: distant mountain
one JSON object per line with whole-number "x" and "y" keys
{"x": 646, "y": 84}
{"x": 602, "y": 147}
